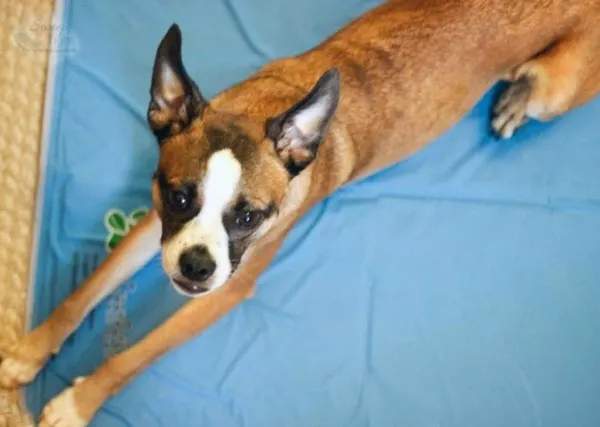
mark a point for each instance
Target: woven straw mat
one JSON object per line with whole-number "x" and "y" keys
{"x": 22, "y": 90}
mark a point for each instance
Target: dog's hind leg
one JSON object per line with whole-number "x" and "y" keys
{"x": 564, "y": 76}
{"x": 25, "y": 359}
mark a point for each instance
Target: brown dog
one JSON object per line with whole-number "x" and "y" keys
{"x": 236, "y": 173}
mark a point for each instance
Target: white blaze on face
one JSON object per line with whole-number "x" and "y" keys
{"x": 219, "y": 187}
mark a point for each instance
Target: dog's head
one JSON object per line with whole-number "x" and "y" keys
{"x": 222, "y": 177}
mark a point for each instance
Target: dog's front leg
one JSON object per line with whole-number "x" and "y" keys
{"x": 76, "y": 406}
{"x": 27, "y": 357}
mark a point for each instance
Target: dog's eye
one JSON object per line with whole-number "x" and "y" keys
{"x": 179, "y": 200}
{"x": 247, "y": 219}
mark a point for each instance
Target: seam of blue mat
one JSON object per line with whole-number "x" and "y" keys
{"x": 244, "y": 32}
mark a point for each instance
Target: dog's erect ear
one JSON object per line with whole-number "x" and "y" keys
{"x": 298, "y": 132}
{"x": 175, "y": 98}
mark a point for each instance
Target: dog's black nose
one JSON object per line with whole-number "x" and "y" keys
{"x": 197, "y": 264}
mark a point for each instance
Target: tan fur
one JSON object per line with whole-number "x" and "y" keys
{"x": 410, "y": 69}
{"x": 565, "y": 75}
{"x": 263, "y": 181}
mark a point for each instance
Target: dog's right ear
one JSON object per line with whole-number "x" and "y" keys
{"x": 175, "y": 98}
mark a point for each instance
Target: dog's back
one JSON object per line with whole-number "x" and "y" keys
{"x": 412, "y": 68}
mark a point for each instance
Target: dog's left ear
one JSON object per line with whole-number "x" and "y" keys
{"x": 298, "y": 132}
{"x": 175, "y": 97}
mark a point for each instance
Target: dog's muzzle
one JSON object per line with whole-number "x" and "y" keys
{"x": 197, "y": 267}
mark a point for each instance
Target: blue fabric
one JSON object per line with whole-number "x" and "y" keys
{"x": 457, "y": 288}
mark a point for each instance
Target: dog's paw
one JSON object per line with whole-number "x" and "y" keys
{"x": 510, "y": 111}
{"x": 21, "y": 363}
{"x": 63, "y": 411}
{"x": 15, "y": 371}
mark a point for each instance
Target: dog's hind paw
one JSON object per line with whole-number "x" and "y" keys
{"x": 510, "y": 111}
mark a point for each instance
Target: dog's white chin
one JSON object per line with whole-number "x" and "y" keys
{"x": 187, "y": 294}
{"x": 205, "y": 291}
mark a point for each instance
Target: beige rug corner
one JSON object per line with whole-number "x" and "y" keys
{"x": 22, "y": 87}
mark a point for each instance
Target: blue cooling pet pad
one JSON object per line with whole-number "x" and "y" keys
{"x": 459, "y": 288}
